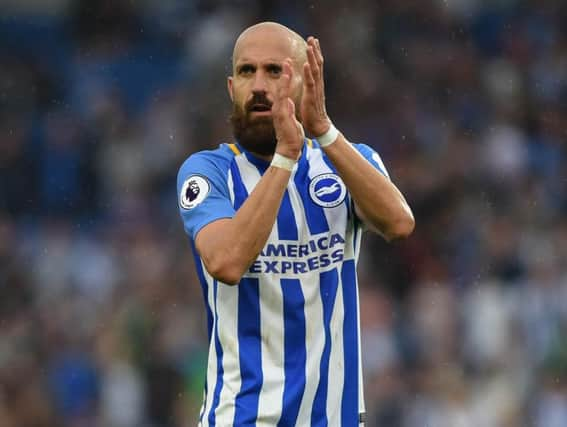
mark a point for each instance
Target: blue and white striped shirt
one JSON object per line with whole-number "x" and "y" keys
{"x": 284, "y": 344}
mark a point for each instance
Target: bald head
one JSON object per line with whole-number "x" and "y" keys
{"x": 271, "y": 33}
{"x": 257, "y": 66}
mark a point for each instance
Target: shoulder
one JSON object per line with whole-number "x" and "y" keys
{"x": 313, "y": 144}
{"x": 372, "y": 156}
{"x": 210, "y": 163}
{"x": 218, "y": 158}
{"x": 368, "y": 152}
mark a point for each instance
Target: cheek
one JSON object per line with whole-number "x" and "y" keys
{"x": 238, "y": 98}
{"x": 239, "y": 90}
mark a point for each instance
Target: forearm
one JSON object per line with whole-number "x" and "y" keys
{"x": 380, "y": 204}
{"x": 228, "y": 247}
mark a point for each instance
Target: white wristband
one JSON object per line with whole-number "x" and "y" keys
{"x": 283, "y": 162}
{"x": 328, "y": 137}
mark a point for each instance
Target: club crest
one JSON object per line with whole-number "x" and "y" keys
{"x": 327, "y": 190}
{"x": 195, "y": 189}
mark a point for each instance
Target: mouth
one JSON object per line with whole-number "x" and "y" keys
{"x": 260, "y": 109}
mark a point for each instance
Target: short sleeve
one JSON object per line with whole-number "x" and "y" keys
{"x": 375, "y": 160}
{"x": 373, "y": 157}
{"x": 202, "y": 193}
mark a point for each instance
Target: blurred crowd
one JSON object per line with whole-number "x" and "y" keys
{"x": 101, "y": 314}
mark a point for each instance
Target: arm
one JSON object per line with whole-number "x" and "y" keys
{"x": 229, "y": 246}
{"x": 377, "y": 201}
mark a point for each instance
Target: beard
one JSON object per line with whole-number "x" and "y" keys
{"x": 256, "y": 135}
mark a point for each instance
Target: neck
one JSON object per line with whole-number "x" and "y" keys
{"x": 266, "y": 157}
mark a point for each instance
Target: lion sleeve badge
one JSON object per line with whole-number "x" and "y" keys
{"x": 195, "y": 189}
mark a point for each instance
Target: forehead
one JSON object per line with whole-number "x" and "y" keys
{"x": 264, "y": 45}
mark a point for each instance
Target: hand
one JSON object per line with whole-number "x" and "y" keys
{"x": 289, "y": 132}
{"x": 313, "y": 113}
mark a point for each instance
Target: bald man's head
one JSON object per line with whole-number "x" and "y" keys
{"x": 257, "y": 65}
{"x": 271, "y": 32}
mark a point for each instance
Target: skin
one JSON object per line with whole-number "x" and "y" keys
{"x": 271, "y": 59}
{"x": 260, "y": 55}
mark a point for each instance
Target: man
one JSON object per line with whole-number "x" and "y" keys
{"x": 275, "y": 221}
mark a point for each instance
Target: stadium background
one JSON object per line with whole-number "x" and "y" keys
{"x": 101, "y": 318}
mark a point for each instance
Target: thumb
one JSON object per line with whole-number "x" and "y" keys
{"x": 301, "y": 130}
{"x": 290, "y": 107}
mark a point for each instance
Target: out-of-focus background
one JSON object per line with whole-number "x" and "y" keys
{"x": 101, "y": 316}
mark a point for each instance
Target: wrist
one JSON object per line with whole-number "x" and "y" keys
{"x": 321, "y": 128}
{"x": 329, "y": 137}
{"x": 288, "y": 151}
{"x": 283, "y": 162}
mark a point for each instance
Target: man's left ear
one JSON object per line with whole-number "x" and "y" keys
{"x": 229, "y": 87}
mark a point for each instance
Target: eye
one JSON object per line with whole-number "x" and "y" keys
{"x": 274, "y": 69}
{"x": 246, "y": 69}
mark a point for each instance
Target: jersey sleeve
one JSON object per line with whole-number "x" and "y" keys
{"x": 202, "y": 193}
{"x": 373, "y": 158}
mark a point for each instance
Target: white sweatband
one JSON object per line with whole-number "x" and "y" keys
{"x": 328, "y": 137}
{"x": 283, "y": 162}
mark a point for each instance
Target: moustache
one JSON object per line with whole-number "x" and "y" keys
{"x": 259, "y": 102}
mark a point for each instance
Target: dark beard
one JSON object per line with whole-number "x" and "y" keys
{"x": 255, "y": 135}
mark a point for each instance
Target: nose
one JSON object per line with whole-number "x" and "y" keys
{"x": 260, "y": 84}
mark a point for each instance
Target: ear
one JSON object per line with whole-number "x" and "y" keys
{"x": 229, "y": 87}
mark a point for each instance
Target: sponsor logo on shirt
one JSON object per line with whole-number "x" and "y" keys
{"x": 319, "y": 253}
{"x": 195, "y": 189}
{"x": 327, "y": 190}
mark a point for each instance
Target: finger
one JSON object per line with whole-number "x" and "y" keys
{"x": 288, "y": 68}
{"x": 284, "y": 89}
{"x": 290, "y": 107}
{"x": 319, "y": 54}
{"x": 313, "y": 62}
{"x": 287, "y": 75}
{"x": 300, "y": 128}
{"x": 311, "y": 41}
{"x": 308, "y": 79}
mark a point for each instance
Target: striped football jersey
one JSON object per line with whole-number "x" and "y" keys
{"x": 284, "y": 344}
